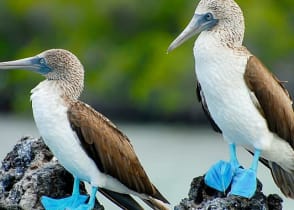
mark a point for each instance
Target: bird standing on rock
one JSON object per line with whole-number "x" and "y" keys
{"x": 85, "y": 142}
{"x": 243, "y": 100}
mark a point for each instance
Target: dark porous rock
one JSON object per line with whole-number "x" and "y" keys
{"x": 30, "y": 171}
{"x": 203, "y": 197}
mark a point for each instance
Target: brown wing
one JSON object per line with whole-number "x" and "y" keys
{"x": 273, "y": 98}
{"x": 110, "y": 149}
{"x": 276, "y": 106}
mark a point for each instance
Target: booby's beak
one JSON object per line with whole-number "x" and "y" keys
{"x": 35, "y": 63}
{"x": 198, "y": 24}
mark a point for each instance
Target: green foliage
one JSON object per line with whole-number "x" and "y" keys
{"x": 122, "y": 45}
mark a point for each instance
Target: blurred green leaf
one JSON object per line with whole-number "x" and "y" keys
{"x": 122, "y": 45}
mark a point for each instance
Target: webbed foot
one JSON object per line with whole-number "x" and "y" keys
{"x": 82, "y": 207}
{"x": 64, "y": 203}
{"x": 244, "y": 183}
{"x": 219, "y": 176}
{"x": 90, "y": 205}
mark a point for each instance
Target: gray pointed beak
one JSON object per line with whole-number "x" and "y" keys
{"x": 36, "y": 64}
{"x": 195, "y": 26}
{"x": 31, "y": 63}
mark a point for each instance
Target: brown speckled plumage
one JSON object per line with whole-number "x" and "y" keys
{"x": 68, "y": 71}
{"x": 231, "y": 20}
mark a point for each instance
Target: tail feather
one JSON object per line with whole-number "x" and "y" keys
{"x": 283, "y": 179}
{"x": 157, "y": 201}
{"x": 156, "y": 204}
{"x": 124, "y": 201}
{"x": 157, "y": 195}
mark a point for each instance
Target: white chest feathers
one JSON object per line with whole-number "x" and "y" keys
{"x": 50, "y": 114}
{"x": 220, "y": 71}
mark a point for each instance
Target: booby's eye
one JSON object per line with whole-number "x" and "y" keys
{"x": 208, "y": 16}
{"x": 42, "y": 61}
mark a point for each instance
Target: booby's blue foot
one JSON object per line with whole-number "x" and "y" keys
{"x": 61, "y": 204}
{"x": 90, "y": 205}
{"x": 82, "y": 207}
{"x": 74, "y": 201}
{"x": 219, "y": 176}
{"x": 244, "y": 181}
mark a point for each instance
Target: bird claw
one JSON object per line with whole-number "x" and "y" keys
{"x": 219, "y": 176}
{"x": 244, "y": 183}
{"x": 71, "y": 202}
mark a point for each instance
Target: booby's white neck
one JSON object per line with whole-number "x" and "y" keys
{"x": 45, "y": 86}
{"x": 57, "y": 88}
{"x": 218, "y": 65}
{"x": 206, "y": 43}
{"x": 218, "y": 39}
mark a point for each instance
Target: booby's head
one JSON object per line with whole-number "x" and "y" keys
{"x": 224, "y": 18}
{"x": 56, "y": 65}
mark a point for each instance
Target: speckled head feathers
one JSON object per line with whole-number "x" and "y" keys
{"x": 231, "y": 20}
{"x": 63, "y": 63}
{"x": 59, "y": 66}
{"x": 66, "y": 69}
{"x": 220, "y": 8}
{"x": 223, "y": 19}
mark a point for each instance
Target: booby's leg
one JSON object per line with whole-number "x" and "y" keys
{"x": 244, "y": 181}
{"x": 73, "y": 201}
{"x": 90, "y": 205}
{"x": 233, "y": 157}
{"x": 220, "y": 175}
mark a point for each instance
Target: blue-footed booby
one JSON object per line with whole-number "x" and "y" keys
{"x": 243, "y": 100}
{"x": 85, "y": 142}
